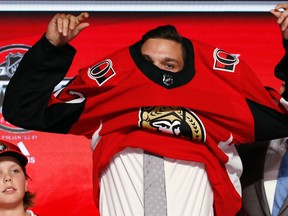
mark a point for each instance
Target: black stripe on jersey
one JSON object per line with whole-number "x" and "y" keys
{"x": 269, "y": 124}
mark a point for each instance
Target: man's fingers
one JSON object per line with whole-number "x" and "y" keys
{"x": 64, "y": 27}
{"x": 82, "y": 26}
{"x": 282, "y": 19}
{"x": 62, "y": 23}
{"x": 284, "y": 24}
{"x": 59, "y": 23}
{"x": 281, "y": 6}
{"x": 68, "y": 22}
{"x": 276, "y": 13}
{"x": 82, "y": 16}
{"x": 73, "y": 22}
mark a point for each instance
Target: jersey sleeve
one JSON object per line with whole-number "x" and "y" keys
{"x": 281, "y": 69}
{"x": 27, "y": 101}
{"x": 266, "y": 104}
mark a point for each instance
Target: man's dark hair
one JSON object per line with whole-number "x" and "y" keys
{"x": 168, "y": 32}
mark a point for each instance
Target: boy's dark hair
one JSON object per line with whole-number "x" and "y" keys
{"x": 28, "y": 199}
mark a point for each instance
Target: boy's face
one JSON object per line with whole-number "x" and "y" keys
{"x": 13, "y": 182}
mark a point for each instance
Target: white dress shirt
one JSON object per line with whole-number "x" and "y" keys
{"x": 121, "y": 187}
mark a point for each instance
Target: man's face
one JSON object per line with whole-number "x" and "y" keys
{"x": 165, "y": 54}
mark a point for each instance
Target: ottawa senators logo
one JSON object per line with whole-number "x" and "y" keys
{"x": 224, "y": 61}
{"x": 3, "y": 147}
{"x": 173, "y": 120}
{"x": 101, "y": 72}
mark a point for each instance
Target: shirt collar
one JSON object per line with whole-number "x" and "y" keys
{"x": 278, "y": 145}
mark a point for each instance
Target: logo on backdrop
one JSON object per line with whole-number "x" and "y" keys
{"x": 10, "y": 57}
{"x": 25, "y": 151}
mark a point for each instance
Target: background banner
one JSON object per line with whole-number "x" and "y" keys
{"x": 60, "y": 165}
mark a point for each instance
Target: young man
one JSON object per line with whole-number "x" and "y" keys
{"x": 262, "y": 194}
{"x": 165, "y": 95}
{"x": 260, "y": 176}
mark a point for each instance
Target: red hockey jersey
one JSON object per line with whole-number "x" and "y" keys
{"x": 124, "y": 101}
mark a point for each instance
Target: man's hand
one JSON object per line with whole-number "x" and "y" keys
{"x": 64, "y": 27}
{"x": 281, "y": 12}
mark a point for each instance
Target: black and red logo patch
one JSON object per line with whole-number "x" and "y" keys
{"x": 101, "y": 72}
{"x": 224, "y": 61}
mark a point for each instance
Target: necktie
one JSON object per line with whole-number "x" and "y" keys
{"x": 282, "y": 186}
{"x": 154, "y": 186}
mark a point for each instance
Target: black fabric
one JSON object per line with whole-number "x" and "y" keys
{"x": 53, "y": 66}
{"x": 156, "y": 74}
{"x": 268, "y": 124}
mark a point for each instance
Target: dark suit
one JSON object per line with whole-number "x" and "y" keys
{"x": 253, "y": 191}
